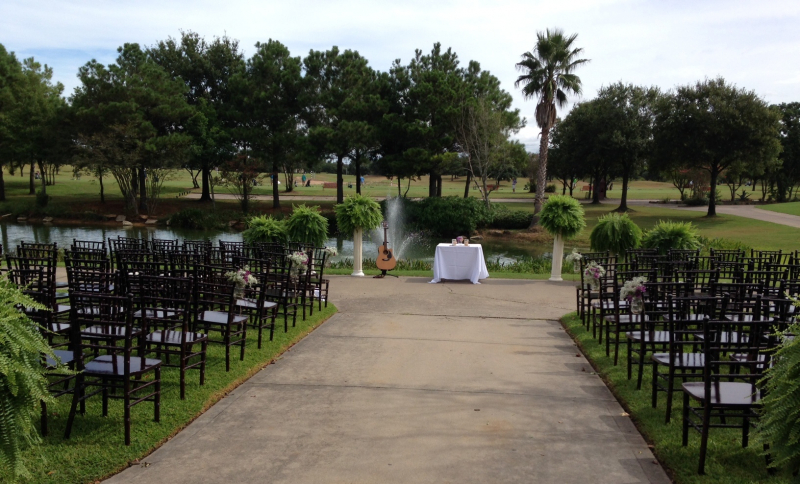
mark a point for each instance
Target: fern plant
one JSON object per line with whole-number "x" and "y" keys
{"x": 615, "y": 232}
{"x": 666, "y": 235}
{"x": 23, "y": 385}
{"x": 358, "y": 212}
{"x": 562, "y": 215}
{"x": 780, "y": 414}
{"x": 307, "y": 225}
{"x": 264, "y": 228}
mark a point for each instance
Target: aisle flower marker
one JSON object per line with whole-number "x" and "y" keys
{"x": 241, "y": 278}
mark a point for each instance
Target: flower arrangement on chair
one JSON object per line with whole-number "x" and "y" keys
{"x": 593, "y": 273}
{"x": 298, "y": 259}
{"x": 633, "y": 291}
{"x": 575, "y": 258}
{"x": 241, "y": 278}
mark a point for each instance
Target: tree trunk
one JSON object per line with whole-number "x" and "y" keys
{"x": 564, "y": 187}
{"x": 398, "y": 187}
{"x": 143, "y": 190}
{"x": 31, "y": 182}
{"x": 432, "y": 185}
{"x": 102, "y": 189}
{"x": 276, "y": 196}
{"x": 2, "y": 186}
{"x": 438, "y": 185}
{"x": 466, "y": 187}
{"x": 43, "y": 177}
{"x": 712, "y": 194}
{"x": 339, "y": 179}
{"x": 541, "y": 180}
{"x": 206, "y": 193}
{"x": 596, "y": 189}
{"x": 358, "y": 172}
{"x": 623, "y": 203}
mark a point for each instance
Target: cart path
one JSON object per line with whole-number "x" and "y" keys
{"x": 423, "y": 383}
{"x": 746, "y": 211}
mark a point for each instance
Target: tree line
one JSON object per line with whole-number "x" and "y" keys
{"x": 698, "y": 136}
{"x": 189, "y": 103}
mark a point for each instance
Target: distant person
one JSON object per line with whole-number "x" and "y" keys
{"x": 304, "y": 178}
{"x": 362, "y": 180}
{"x": 308, "y": 182}
{"x": 37, "y": 175}
{"x": 514, "y": 185}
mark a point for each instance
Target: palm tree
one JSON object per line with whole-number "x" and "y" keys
{"x": 547, "y": 76}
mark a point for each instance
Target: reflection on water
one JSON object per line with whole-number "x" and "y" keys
{"x": 11, "y": 234}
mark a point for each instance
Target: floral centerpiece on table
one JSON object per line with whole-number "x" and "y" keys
{"x": 633, "y": 291}
{"x": 575, "y": 258}
{"x": 593, "y": 273}
{"x": 299, "y": 259}
{"x": 241, "y": 278}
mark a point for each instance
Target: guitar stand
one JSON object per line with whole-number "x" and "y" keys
{"x": 384, "y": 274}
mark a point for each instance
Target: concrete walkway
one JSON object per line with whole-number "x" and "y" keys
{"x": 418, "y": 383}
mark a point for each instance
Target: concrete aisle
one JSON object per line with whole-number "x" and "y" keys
{"x": 418, "y": 383}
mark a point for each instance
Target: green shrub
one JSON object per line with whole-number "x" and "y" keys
{"x": 358, "y": 212}
{"x": 551, "y": 188}
{"x": 503, "y": 218}
{"x": 449, "y": 216}
{"x": 42, "y": 199}
{"x": 194, "y": 218}
{"x": 22, "y": 382}
{"x": 696, "y": 200}
{"x": 668, "y": 235}
{"x": 264, "y": 228}
{"x": 307, "y": 225}
{"x": 562, "y": 215}
{"x": 721, "y": 244}
{"x": 615, "y": 232}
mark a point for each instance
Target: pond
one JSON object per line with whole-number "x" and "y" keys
{"x": 495, "y": 249}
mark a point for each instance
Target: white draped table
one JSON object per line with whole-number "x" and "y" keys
{"x": 459, "y": 262}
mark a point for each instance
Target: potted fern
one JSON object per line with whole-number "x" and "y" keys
{"x": 355, "y": 215}
{"x": 615, "y": 232}
{"x": 307, "y": 225}
{"x": 563, "y": 217}
{"x": 265, "y": 228}
{"x": 23, "y": 384}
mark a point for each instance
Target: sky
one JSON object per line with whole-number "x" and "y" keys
{"x": 752, "y": 44}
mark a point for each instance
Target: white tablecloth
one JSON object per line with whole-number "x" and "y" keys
{"x": 459, "y": 262}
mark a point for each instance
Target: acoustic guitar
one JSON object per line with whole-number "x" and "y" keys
{"x": 386, "y": 260}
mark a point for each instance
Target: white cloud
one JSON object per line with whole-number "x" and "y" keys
{"x": 752, "y": 44}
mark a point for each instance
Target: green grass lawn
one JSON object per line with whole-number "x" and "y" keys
{"x": 791, "y": 208}
{"x": 96, "y": 448}
{"x": 727, "y": 461}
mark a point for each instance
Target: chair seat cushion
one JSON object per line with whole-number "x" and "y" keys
{"x": 726, "y": 393}
{"x": 219, "y": 317}
{"x": 114, "y": 365}
{"x": 159, "y": 313}
{"x": 65, "y": 356}
{"x": 173, "y": 338}
{"x": 249, "y": 303}
{"x": 681, "y": 360}
{"x": 102, "y": 331}
{"x": 626, "y": 318}
{"x": 609, "y": 305}
{"x": 649, "y": 336}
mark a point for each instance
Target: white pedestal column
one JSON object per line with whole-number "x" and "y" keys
{"x": 357, "y": 257}
{"x": 558, "y": 258}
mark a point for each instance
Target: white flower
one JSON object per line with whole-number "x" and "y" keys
{"x": 633, "y": 288}
{"x": 573, "y": 256}
{"x": 241, "y": 278}
{"x": 331, "y": 251}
